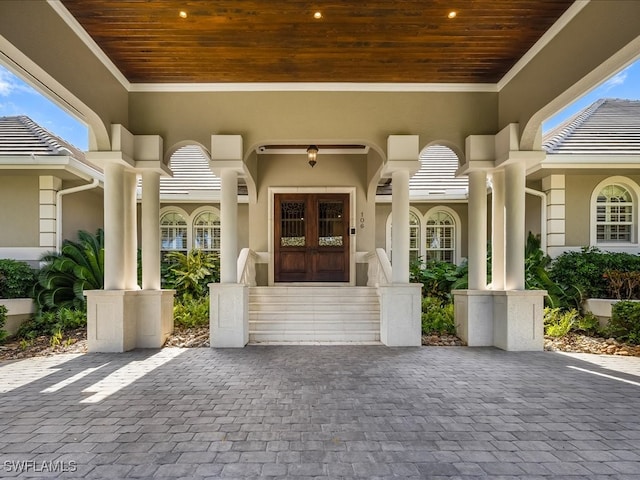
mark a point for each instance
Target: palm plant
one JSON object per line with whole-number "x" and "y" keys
{"x": 66, "y": 274}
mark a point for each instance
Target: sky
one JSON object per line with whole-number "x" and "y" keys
{"x": 18, "y": 98}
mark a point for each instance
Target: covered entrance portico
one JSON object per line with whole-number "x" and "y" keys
{"x": 490, "y": 116}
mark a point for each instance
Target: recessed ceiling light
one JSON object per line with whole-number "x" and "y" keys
{"x": 317, "y": 15}
{"x": 452, "y": 14}
{"x": 183, "y": 14}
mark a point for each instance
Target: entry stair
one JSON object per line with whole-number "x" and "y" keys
{"x": 327, "y": 314}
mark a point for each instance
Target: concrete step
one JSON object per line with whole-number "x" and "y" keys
{"x": 314, "y": 314}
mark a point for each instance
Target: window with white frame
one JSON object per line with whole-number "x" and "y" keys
{"x": 414, "y": 237}
{"x": 206, "y": 232}
{"x": 173, "y": 232}
{"x": 440, "y": 237}
{"x": 433, "y": 237}
{"x": 614, "y": 215}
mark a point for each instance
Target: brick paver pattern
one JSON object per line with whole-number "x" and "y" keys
{"x": 320, "y": 412}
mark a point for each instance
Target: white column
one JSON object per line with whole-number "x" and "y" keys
{"x": 400, "y": 225}
{"x": 514, "y": 224}
{"x": 497, "y": 231}
{"x": 228, "y": 226}
{"x": 114, "y": 264}
{"x": 150, "y": 230}
{"x": 477, "y": 248}
{"x": 131, "y": 231}
{"x": 49, "y": 186}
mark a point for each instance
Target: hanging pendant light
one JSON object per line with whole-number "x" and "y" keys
{"x": 312, "y": 154}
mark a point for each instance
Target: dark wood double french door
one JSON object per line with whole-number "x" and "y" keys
{"x": 311, "y": 241}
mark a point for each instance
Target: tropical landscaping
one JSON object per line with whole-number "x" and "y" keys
{"x": 59, "y": 318}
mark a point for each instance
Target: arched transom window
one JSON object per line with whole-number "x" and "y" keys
{"x": 441, "y": 234}
{"x": 206, "y": 232}
{"x": 614, "y": 215}
{"x": 173, "y": 232}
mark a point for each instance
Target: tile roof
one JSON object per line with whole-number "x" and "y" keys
{"x": 437, "y": 172}
{"x": 606, "y": 127}
{"x": 21, "y": 136}
{"x": 191, "y": 173}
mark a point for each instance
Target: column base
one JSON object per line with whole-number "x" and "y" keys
{"x": 111, "y": 320}
{"x": 512, "y": 320}
{"x": 401, "y": 315}
{"x": 121, "y": 320}
{"x": 154, "y": 317}
{"x": 229, "y": 315}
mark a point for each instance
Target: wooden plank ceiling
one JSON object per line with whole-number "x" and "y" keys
{"x": 280, "y": 41}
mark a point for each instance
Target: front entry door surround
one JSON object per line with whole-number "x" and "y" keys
{"x": 311, "y": 237}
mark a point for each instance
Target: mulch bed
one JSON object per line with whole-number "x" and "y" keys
{"x": 75, "y": 341}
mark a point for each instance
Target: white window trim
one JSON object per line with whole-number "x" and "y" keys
{"x": 423, "y": 230}
{"x": 190, "y": 218}
{"x": 633, "y": 188}
{"x": 457, "y": 257}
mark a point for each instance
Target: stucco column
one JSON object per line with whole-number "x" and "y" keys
{"x": 229, "y": 226}
{"x": 515, "y": 225}
{"x": 400, "y": 225}
{"x": 150, "y": 230}
{"x": 477, "y": 248}
{"x": 114, "y": 227}
{"x": 131, "y": 231}
{"x": 497, "y": 230}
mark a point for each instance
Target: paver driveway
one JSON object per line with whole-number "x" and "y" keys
{"x": 321, "y": 411}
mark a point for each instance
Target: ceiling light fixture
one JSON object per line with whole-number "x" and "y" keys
{"x": 312, "y": 154}
{"x": 317, "y": 15}
{"x": 182, "y": 14}
{"x": 452, "y": 14}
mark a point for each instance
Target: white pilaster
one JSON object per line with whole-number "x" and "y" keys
{"x": 554, "y": 187}
{"x": 49, "y": 186}
{"x": 114, "y": 227}
{"x": 497, "y": 231}
{"x": 477, "y": 248}
{"x": 229, "y": 226}
{"x": 150, "y": 230}
{"x": 131, "y": 231}
{"x": 515, "y": 225}
{"x": 400, "y": 225}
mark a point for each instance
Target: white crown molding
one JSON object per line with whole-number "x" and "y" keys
{"x": 556, "y": 28}
{"x": 89, "y": 42}
{"x": 313, "y": 87}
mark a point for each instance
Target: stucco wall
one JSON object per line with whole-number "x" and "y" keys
{"x": 19, "y": 211}
{"x": 294, "y": 171}
{"x": 82, "y": 211}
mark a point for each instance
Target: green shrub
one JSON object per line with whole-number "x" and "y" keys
{"x": 17, "y": 279}
{"x": 585, "y": 270}
{"x": 438, "y": 278}
{"x": 53, "y": 323}
{"x": 191, "y": 312}
{"x": 77, "y": 267}
{"x": 190, "y": 273}
{"x": 589, "y": 325}
{"x": 559, "y": 322}
{"x": 625, "y": 322}
{"x": 437, "y": 317}
{"x": 3, "y": 319}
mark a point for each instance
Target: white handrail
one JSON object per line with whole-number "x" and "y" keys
{"x": 247, "y": 267}
{"x": 379, "y": 272}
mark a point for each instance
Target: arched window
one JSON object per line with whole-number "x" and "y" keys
{"x": 614, "y": 215}
{"x": 441, "y": 237}
{"x": 173, "y": 232}
{"x": 414, "y": 237}
{"x": 206, "y": 232}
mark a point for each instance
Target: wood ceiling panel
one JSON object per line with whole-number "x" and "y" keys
{"x": 280, "y": 41}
